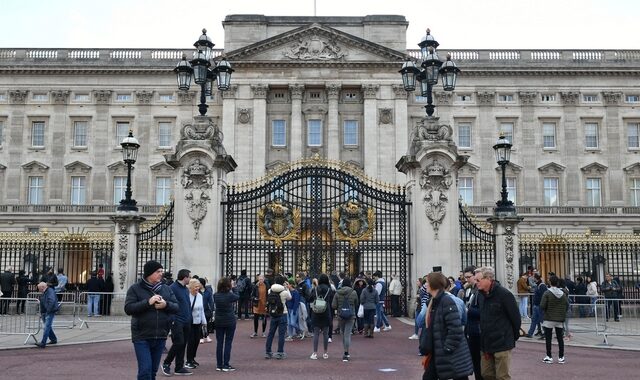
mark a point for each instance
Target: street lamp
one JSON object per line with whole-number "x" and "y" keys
{"x": 202, "y": 72}
{"x": 427, "y": 77}
{"x": 130, "y": 147}
{"x": 503, "y": 154}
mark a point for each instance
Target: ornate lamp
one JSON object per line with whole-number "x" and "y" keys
{"x": 130, "y": 147}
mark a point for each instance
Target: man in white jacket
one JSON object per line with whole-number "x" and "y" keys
{"x": 395, "y": 290}
{"x": 278, "y": 321}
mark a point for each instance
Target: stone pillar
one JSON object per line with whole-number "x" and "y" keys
{"x": 259, "y": 154}
{"x": 432, "y": 168}
{"x": 529, "y": 149}
{"x": 124, "y": 250}
{"x": 58, "y": 127}
{"x": 401, "y": 125}
{"x": 296, "y": 121}
{"x": 569, "y": 126}
{"x": 333, "y": 127}
{"x": 615, "y": 145}
{"x": 229, "y": 118}
{"x": 371, "y": 139}
{"x": 487, "y": 176}
{"x": 507, "y": 250}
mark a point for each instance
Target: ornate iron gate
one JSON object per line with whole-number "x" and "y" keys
{"x": 477, "y": 246}
{"x": 155, "y": 241}
{"x": 317, "y": 216}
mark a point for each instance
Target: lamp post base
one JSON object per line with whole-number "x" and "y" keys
{"x": 127, "y": 205}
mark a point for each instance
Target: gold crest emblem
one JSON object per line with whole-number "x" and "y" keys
{"x": 353, "y": 222}
{"x": 278, "y": 222}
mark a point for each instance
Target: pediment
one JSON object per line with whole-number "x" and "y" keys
{"x": 77, "y": 166}
{"x": 275, "y": 165}
{"x": 162, "y": 167}
{"x": 117, "y": 166}
{"x": 511, "y": 167}
{"x": 35, "y": 166}
{"x": 551, "y": 168}
{"x": 315, "y": 43}
{"x": 633, "y": 169}
{"x": 594, "y": 168}
{"x": 468, "y": 169}
{"x": 2, "y": 167}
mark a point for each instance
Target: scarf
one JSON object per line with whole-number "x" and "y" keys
{"x": 153, "y": 288}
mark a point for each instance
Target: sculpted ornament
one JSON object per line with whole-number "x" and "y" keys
{"x": 386, "y": 115}
{"x": 199, "y": 131}
{"x": 244, "y": 115}
{"x": 197, "y": 176}
{"x": 314, "y": 47}
{"x": 353, "y": 222}
{"x": 509, "y": 256}
{"x": 278, "y": 221}
{"x": 197, "y": 208}
{"x": 435, "y": 180}
{"x": 123, "y": 245}
{"x": 429, "y": 129}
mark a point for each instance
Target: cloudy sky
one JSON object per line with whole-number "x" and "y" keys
{"x": 456, "y": 24}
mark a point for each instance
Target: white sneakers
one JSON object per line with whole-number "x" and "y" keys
{"x": 313, "y": 356}
{"x": 414, "y": 337}
{"x": 561, "y": 360}
{"x": 375, "y": 330}
{"x": 387, "y": 328}
{"x": 548, "y": 360}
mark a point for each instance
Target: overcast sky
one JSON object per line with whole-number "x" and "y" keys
{"x": 456, "y": 24}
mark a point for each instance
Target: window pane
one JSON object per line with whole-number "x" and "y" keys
{"x": 511, "y": 189}
{"x": 36, "y": 190}
{"x": 632, "y": 135}
{"x": 78, "y": 190}
{"x": 506, "y": 129}
{"x": 549, "y": 135}
{"x": 279, "y": 133}
{"x": 635, "y": 192}
{"x": 315, "y": 132}
{"x": 465, "y": 190}
{"x": 591, "y": 135}
{"x": 119, "y": 187}
{"x": 122, "y": 131}
{"x": 464, "y": 135}
{"x": 550, "y": 191}
{"x": 164, "y": 134}
{"x": 80, "y": 133}
{"x": 37, "y": 133}
{"x": 350, "y": 132}
{"x": 593, "y": 192}
{"x": 163, "y": 190}
{"x": 1, "y": 132}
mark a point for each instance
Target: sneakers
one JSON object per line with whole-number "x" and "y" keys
{"x": 414, "y": 337}
{"x": 228, "y": 369}
{"x": 183, "y": 372}
{"x": 330, "y": 340}
{"x": 280, "y": 355}
{"x": 268, "y": 355}
{"x": 548, "y": 360}
{"x": 264, "y": 335}
{"x": 254, "y": 335}
{"x": 288, "y": 339}
{"x": 561, "y": 360}
{"x": 387, "y": 328}
{"x": 41, "y": 345}
{"x": 375, "y": 330}
{"x": 219, "y": 369}
{"x": 201, "y": 341}
{"x": 313, "y": 356}
{"x": 325, "y": 356}
{"x": 208, "y": 340}
{"x": 189, "y": 365}
{"x": 166, "y": 369}
{"x": 345, "y": 358}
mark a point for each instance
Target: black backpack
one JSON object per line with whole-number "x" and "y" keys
{"x": 275, "y": 307}
{"x": 345, "y": 311}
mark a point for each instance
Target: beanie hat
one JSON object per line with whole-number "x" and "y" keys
{"x": 346, "y": 282}
{"x": 150, "y": 267}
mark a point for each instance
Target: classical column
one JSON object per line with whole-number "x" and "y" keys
{"x": 15, "y": 131}
{"x": 570, "y": 127}
{"x": 295, "y": 153}
{"x": 614, "y": 146}
{"x": 58, "y": 126}
{"x": 229, "y": 120}
{"x": 371, "y": 139}
{"x": 259, "y": 153}
{"x": 486, "y": 179}
{"x": 100, "y": 135}
{"x": 529, "y": 149}
{"x": 124, "y": 268}
{"x": 401, "y": 125}
{"x": 333, "y": 128}
{"x": 507, "y": 252}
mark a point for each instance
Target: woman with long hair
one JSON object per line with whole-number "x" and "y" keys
{"x": 199, "y": 320}
{"x": 259, "y": 300}
{"x": 224, "y": 299}
{"x": 321, "y": 322}
{"x": 369, "y": 299}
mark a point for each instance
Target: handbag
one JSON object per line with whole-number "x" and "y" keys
{"x": 211, "y": 323}
{"x": 361, "y": 311}
{"x": 204, "y": 329}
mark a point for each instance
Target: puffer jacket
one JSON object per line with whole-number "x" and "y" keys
{"x": 499, "y": 319}
{"x": 554, "y": 305}
{"x": 348, "y": 293}
{"x": 369, "y": 299}
{"x": 147, "y": 322}
{"x": 445, "y": 339}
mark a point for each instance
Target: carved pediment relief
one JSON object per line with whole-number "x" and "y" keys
{"x": 315, "y": 109}
{"x": 162, "y": 168}
{"x": 468, "y": 170}
{"x": 594, "y": 169}
{"x": 275, "y": 165}
{"x": 511, "y": 168}
{"x": 552, "y": 168}
{"x": 118, "y": 168}
{"x": 633, "y": 169}
{"x": 35, "y": 167}
{"x": 2, "y": 167}
{"x": 77, "y": 167}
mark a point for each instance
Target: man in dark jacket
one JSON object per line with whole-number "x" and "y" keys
{"x": 537, "y": 315}
{"x": 7, "y": 281}
{"x": 151, "y": 305}
{"x": 48, "y": 308}
{"x": 499, "y": 325}
{"x": 472, "y": 327}
{"x": 611, "y": 290}
{"x": 181, "y": 326}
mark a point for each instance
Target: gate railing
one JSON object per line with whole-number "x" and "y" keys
{"x": 477, "y": 246}
{"x": 156, "y": 241}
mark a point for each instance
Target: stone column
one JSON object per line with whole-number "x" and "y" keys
{"x": 529, "y": 149}
{"x": 570, "y": 126}
{"x": 101, "y": 132}
{"x": 295, "y": 153}
{"x": 14, "y": 132}
{"x": 400, "y": 122}
{"x": 58, "y": 127}
{"x": 333, "y": 127}
{"x": 614, "y": 145}
{"x": 124, "y": 250}
{"x": 259, "y": 154}
{"x": 507, "y": 252}
{"x": 371, "y": 139}
{"x": 229, "y": 119}
{"x": 487, "y": 176}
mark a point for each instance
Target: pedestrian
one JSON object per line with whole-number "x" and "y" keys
{"x": 554, "y": 306}
{"x": 321, "y": 320}
{"x": 381, "y": 288}
{"x": 259, "y": 303}
{"x": 395, "y": 291}
{"x": 23, "y": 290}
{"x": 442, "y": 341}
{"x": 346, "y": 303}
{"x": 7, "y": 282}
{"x": 62, "y": 284}
{"x": 359, "y": 285}
{"x": 49, "y": 306}
{"x": 611, "y": 290}
{"x": 536, "y": 316}
{"x": 523, "y": 295}
{"x": 207, "y": 300}
{"x": 107, "y": 297}
{"x": 369, "y": 300}
{"x": 198, "y": 321}
{"x": 225, "y": 298}
{"x": 181, "y": 326}
{"x": 95, "y": 286}
{"x": 581, "y": 297}
{"x": 243, "y": 285}
{"x": 421, "y": 309}
{"x": 293, "y": 308}
{"x": 151, "y": 305}
{"x": 592, "y": 293}
{"x": 499, "y": 325}
{"x": 278, "y": 314}
{"x": 472, "y": 327}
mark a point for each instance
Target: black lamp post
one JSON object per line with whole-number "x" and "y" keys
{"x": 503, "y": 154}
{"x": 203, "y": 74}
{"x": 130, "y": 147}
{"x": 427, "y": 77}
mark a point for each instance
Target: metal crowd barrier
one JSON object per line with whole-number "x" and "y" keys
{"x": 628, "y": 317}
{"x": 110, "y": 309}
{"x": 27, "y": 323}
{"x": 66, "y": 316}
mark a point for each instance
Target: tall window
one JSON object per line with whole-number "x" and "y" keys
{"x": 1, "y": 132}
{"x": 511, "y": 189}
{"x": 551, "y": 191}
{"x": 36, "y": 190}
{"x": 464, "y": 135}
{"x": 37, "y": 133}
{"x": 465, "y": 189}
{"x": 506, "y": 129}
{"x": 164, "y": 134}
{"x": 278, "y": 133}
{"x": 549, "y": 135}
{"x": 591, "y": 135}
{"x": 122, "y": 131}
{"x": 78, "y": 190}
{"x": 163, "y": 190}
{"x": 119, "y": 187}
{"x": 350, "y": 132}
{"x": 633, "y": 133}
{"x": 594, "y": 194}
{"x": 314, "y": 137}
{"x": 80, "y": 133}
{"x": 635, "y": 192}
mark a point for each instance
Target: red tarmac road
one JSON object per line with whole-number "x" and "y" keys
{"x": 390, "y": 355}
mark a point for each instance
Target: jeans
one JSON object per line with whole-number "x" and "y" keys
{"x": 4, "y": 302}
{"x": 381, "y": 318}
{"x": 420, "y": 319}
{"x": 179, "y": 335}
{"x": 536, "y": 319}
{"x": 279, "y": 323}
{"x": 193, "y": 342}
{"x": 244, "y": 303}
{"x": 148, "y": 354}
{"x": 346, "y": 325}
{"x": 524, "y": 306}
{"x": 325, "y": 337}
{"x": 93, "y": 303}
{"x": 224, "y": 341}
{"x": 47, "y": 320}
{"x": 616, "y": 308}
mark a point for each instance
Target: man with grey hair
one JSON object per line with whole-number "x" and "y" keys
{"x": 499, "y": 325}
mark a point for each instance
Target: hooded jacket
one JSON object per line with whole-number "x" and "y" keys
{"x": 284, "y": 295}
{"x": 554, "y": 305}
{"x": 341, "y": 294}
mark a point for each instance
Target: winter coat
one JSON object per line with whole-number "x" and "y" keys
{"x": 499, "y": 319}
{"x": 444, "y": 339}
{"x": 473, "y": 314}
{"x": 369, "y": 299}
{"x": 321, "y": 319}
{"x": 541, "y": 288}
{"x": 554, "y": 305}
{"x": 259, "y": 298}
{"x": 523, "y": 285}
{"x": 147, "y": 322}
{"x": 224, "y": 306}
{"x": 395, "y": 287}
{"x": 182, "y": 296}
{"x": 611, "y": 289}
{"x": 284, "y": 295}
{"x": 348, "y": 293}
{"x": 7, "y": 280}
{"x": 48, "y": 301}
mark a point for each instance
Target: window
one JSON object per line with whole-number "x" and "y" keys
{"x": 3, "y": 97}
{"x": 123, "y": 97}
{"x": 593, "y": 192}
{"x": 635, "y": 192}
{"x": 511, "y": 189}
{"x": 549, "y": 135}
{"x": 278, "y": 133}
{"x": 78, "y": 190}
{"x": 421, "y": 99}
{"x": 163, "y": 190}
{"x": 278, "y": 95}
{"x": 464, "y": 135}
{"x": 166, "y": 98}
{"x": 1, "y": 132}
{"x": 633, "y": 133}
{"x": 506, "y": 129}
{"x": 164, "y": 134}
{"x": 122, "y": 131}
{"x": 350, "y": 132}
{"x": 40, "y": 97}
{"x": 80, "y": 134}
{"x": 33, "y": 230}
{"x": 314, "y": 95}
{"x": 548, "y": 98}
{"x": 37, "y": 134}
{"x": 505, "y": 98}
{"x": 350, "y": 95}
{"x": 81, "y": 97}
{"x": 590, "y": 98}
{"x": 465, "y": 190}
{"x": 591, "y": 135}
{"x": 551, "y": 191}
{"x": 314, "y": 137}
{"x": 36, "y": 190}
{"x": 632, "y": 98}
{"x": 119, "y": 187}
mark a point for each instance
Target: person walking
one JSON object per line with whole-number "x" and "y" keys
{"x": 321, "y": 319}
{"x": 346, "y": 303}
{"x": 95, "y": 286}
{"x": 151, "y": 304}
{"x": 472, "y": 327}
{"x": 611, "y": 290}
{"x": 198, "y": 321}
{"x": 48, "y": 308}
{"x": 395, "y": 291}
{"x": 554, "y": 306}
{"x": 499, "y": 325}
{"x": 369, "y": 300}
{"x": 224, "y": 299}
{"x": 278, "y": 314}
{"x": 7, "y": 282}
{"x": 181, "y": 326}
{"x": 259, "y": 302}
{"x": 381, "y": 288}
{"x": 23, "y": 290}
{"x": 537, "y": 317}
